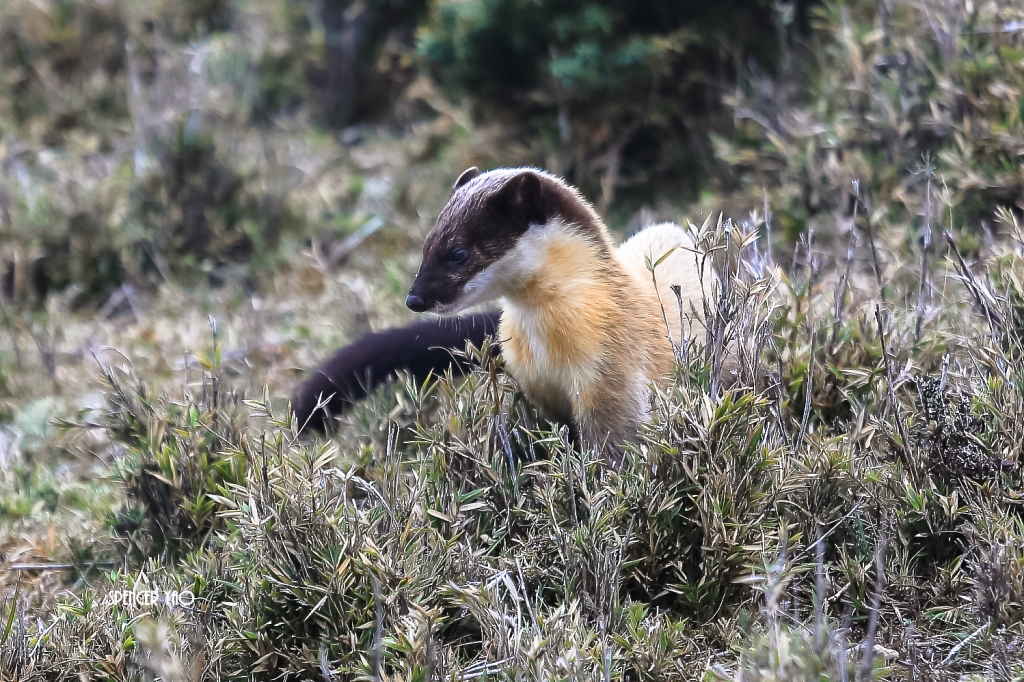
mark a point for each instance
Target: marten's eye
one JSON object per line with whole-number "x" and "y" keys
{"x": 458, "y": 256}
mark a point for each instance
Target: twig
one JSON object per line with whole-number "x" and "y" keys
{"x": 325, "y": 664}
{"x": 10, "y": 330}
{"x": 890, "y": 381}
{"x": 871, "y": 240}
{"x": 568, "y": 472}
{"x": 780, "y": 399}
{"x": 486, "y": 668}
{"x": 968, "y": 279}
{"x": 352, "y": 242}
{"x": 814, "y": 545}
{"x": 651, "y": 266}
{"x": 819, "y": 592}
{"x": 684, "y": 355}
{"x": 844, "y": 280}
{"x": 526, "y": 597}
{"x": 46, "y": 353}
{"x": 161, "y": 264}
{"x": 925, "y": 247}
{"x": 876, "y": 602}
{"x": 123, "y": 294}
{"x": 378, "y": 632}
{"x": 813, "y": 337}
{"x": 955, "y": 650}
{"x": 722, "y": 314}
{"x": 844, "y": 631}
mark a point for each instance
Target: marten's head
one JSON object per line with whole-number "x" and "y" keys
{"x": 476, "y": 249}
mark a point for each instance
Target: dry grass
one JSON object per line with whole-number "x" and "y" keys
{"x": 849, "y": 508}
{"x": 457, "y": 537}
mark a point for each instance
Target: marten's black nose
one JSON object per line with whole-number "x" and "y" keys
{"x": 416, "y": 303}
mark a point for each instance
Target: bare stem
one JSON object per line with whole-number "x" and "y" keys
{"x": 926, "y": 247}
{"x": 871, "y": 240}
{"x": 12, "y": 332}
{"x": 812, "y": 335}
{"x": 876, "y": 602}
{"x": 722, "y": 314}
{"x": 843, "y": 282}
{"x": 908, "y": 462}
{"x": 972, "y": 286}
{"x": 46, "y": 352}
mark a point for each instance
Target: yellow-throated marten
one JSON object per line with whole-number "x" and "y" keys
{"x": 583, "y": 330}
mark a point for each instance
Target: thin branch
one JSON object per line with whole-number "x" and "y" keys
{"x": 890, "y": 382}
{"x": 925, "y": 247}
{"x": 377, "y": 656}
{"x": 871, "y": 240}
{"x": 340, "y": 252}
{"x": 967, "y": 277}
{"x": 955, "y": 650}
{"x": 722, "y": 314}
{"x": 46, "y": 352}
{"x": 568, "y": 472}
{"x": 876, "y": 602}
{"x": 843, "y": 282}
{"x": 813, "y": 336}
{"x": 12, "y": 332}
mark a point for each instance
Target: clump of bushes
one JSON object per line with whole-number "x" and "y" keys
{"x": 198, "y": 213}
{"x": 108, "y": 177}
{"x": 619, "y": 94}
{"x": 750, "y": 522}
{"x": 888, "y": 95}
{"x": 174, "y": 456}
{"x": 344, "y": 62}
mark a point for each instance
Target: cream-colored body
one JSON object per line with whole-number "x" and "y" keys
{"x": 583, "y": 330}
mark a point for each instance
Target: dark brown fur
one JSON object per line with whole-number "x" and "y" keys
{"x": 485, "y": 216}
{"x": 423, "y": 349}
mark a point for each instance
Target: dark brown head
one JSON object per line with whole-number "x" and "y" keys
{"x": 471, "y": 250}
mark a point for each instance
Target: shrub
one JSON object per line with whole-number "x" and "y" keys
{"x": 199, "y": 214}
{"x": 615, "y": 91}
{"x": 106, "y": 179}
{"x": 471, "y": 539}
{"x": 879, "y": 88}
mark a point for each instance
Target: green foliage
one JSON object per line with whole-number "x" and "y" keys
{"x": 198, "y": 213}
{"x": 498, "y": 49}
{"x": 178, "y": 454}
{"x": 469, "y": 537}
{"x": 598, "y": 81}
{"x": 879, "y": 87}
{"x": 859, "y": 482}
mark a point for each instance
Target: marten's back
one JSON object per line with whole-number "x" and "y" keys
{"x": 679, "y": 268}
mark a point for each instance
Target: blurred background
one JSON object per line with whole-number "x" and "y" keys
{"x": 261, "y": 173}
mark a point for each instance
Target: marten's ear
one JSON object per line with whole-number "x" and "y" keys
{"x": 466, "y": 176}
{"x": 522, "y": 196}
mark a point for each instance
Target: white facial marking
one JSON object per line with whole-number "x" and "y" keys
{"x": 507, "y": 273}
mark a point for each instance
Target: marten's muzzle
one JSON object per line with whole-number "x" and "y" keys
{"x": 416, "y": 303}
